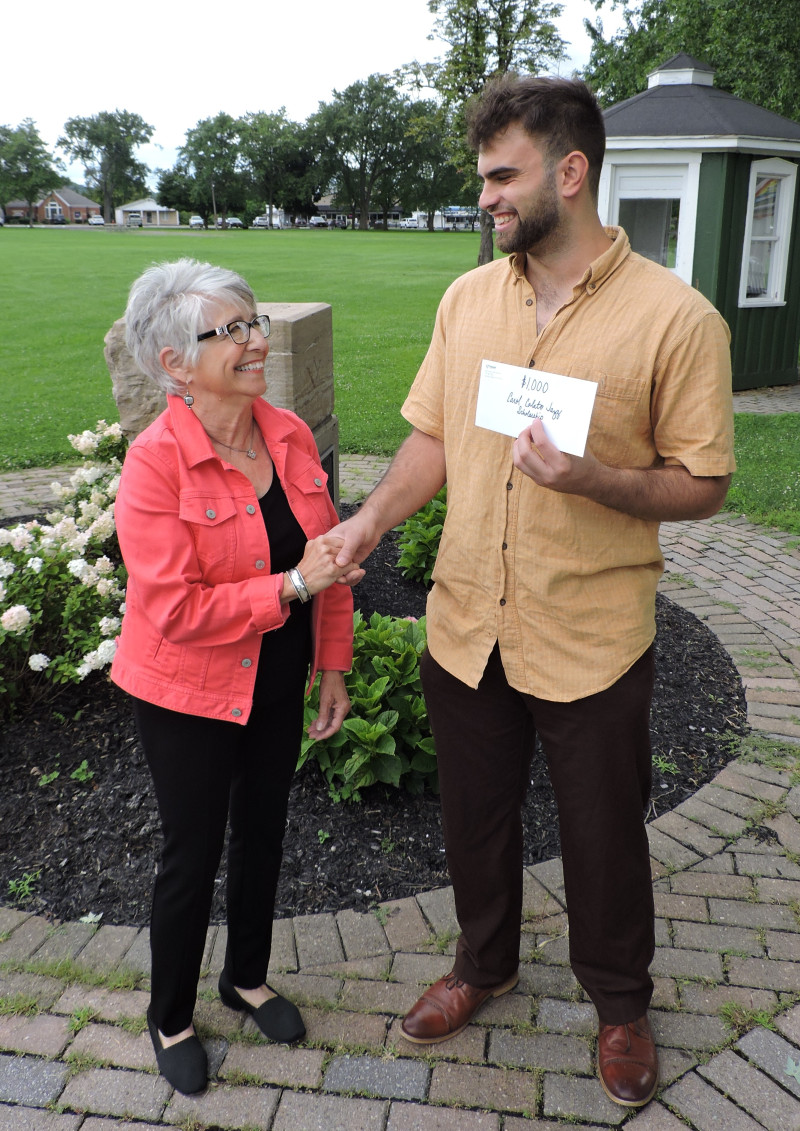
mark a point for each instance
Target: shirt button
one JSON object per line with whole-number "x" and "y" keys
{"x": 591, "y": 287}
{"x": 247, "y": 663}
{"x": 318, "y": 482}
{"x": 250, "y": 508}
{"x": 509, "y": 486}
{"x": 505, "y": 545}
{"x": 260, "y": 564}
{"x": 502, "y": 600}
{"x": 237, "y": 714}
{"x": 211, "y": 514}
{"x": 529, "y": 302}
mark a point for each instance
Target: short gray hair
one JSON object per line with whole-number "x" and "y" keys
{"x": 168, "y": 306}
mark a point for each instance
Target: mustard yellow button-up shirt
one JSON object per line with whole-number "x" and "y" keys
{"x": 565, "y": 585}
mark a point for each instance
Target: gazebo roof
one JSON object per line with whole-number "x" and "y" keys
{"x": 681, "y": 102}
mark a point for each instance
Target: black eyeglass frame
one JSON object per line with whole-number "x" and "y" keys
{"x": 261, "y": 322}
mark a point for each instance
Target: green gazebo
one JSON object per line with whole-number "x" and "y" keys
{"x": 705, "y": 183}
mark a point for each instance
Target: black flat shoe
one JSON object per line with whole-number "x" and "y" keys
{"x": 184, "y": 1066}
{"x": 277, "y": 1018}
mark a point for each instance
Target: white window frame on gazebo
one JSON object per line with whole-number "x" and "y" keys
{"x": 767, "y": 236}
{"x": 649, "y": 175}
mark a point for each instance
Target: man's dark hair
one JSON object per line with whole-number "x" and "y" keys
{"x": 558, "y": 114}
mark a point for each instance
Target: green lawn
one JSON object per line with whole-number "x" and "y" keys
{"x": 61, "y": 289}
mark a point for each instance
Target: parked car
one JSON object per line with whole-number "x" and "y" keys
{"x": 96, "y": 220}
{"x": 230, "y": 221}
{"x": 196, "y": 222}
{"x": 60, "y": 219}
{"x": 263, "y": 222}
{"x": 134, "y": 219}
{"x": 318, "y": 222}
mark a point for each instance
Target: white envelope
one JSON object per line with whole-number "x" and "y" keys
{"x": 510, "y": 397}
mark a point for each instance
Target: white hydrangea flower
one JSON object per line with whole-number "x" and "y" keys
{"x": 35, "y": 564}
{"x": 59, "y": 491}
{"x": 6, "y": 567}
{"x": 2, "y": 592}
{"x": 109, "y": 626}
{"x": 78, "y": 567}
{"x": 98, "y": 658}
{"x": 21, "y": 538}
{"x": 85, "y": 442}
{"x": 38, "y": 662}
{"x": 16, "y": 619}
{"x": 104, "y": 565}
{"x": 103, "y": 526}
{"x": 112, "y": 431}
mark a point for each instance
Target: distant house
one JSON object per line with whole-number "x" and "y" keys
{"x": 146, "y": 214}
{"x": 62, "y": 205}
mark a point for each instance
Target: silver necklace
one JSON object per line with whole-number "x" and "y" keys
{"x": 249, "y": 452}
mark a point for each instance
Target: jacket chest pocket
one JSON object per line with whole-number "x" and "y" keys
{"x": 212, "y": 522}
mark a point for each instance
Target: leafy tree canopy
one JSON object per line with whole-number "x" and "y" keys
{"x": 211, "y": 153}
{"x": 754, "y": 47}
{"x": 28, "y": 170}
{"x": 105, "y": 145}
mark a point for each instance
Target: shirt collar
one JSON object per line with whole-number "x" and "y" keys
{"x": 193, "y": 438}
{"x": 598, "y": 270}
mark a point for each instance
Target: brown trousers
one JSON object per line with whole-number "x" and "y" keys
{"x": 599, "y": 759}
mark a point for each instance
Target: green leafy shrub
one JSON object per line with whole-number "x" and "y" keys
{"x": 386, "y": 737}
{"x": 419, "y": 539}
{"x": 62, "y": 582}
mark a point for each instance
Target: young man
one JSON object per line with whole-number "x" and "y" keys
{"x": 541, "y": 619}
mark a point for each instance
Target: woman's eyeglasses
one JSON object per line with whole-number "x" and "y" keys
{"x": 239, "y": 331}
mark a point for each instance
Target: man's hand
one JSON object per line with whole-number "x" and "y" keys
{"x": 657, "y": 494}
{"x": 539, "y": 459}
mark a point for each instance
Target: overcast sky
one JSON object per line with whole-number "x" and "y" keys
{"x": 175, "y": 67}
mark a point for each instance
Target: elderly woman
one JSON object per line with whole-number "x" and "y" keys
{"x": 222, "y": 515}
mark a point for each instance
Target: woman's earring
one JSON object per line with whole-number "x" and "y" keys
{"x": 188, "y": 399}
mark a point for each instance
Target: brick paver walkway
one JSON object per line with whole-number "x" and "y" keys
{"x": 726, "y": 1013}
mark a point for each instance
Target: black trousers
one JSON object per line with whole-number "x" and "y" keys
{"x": 206, "y": 771}
{"x": 599, "y": 759}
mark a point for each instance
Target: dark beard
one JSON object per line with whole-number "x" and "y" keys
{"x": 534, "y": 234}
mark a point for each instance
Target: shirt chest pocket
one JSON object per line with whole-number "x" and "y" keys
{"x": 621, "y": 432}
{"x": 212, "y": 522}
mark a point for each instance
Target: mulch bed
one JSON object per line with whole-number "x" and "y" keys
{"x": 95, "y": 843}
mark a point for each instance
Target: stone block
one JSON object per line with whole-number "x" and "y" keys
{"x": 341, "y": 1029}
{"x": 550, "y": 1051}
{"x": 395, "y": 998}
{"x": 306, "y": 1111}
{"x": 580, "y": 1098}
{"x": 112, "y": 1045}
{"x": 774, "y": 1055}
{"x": 225, "y": 1106}
{"x": 412, "y": 1117}
{"x": 138, "y": 398}
{"x": 274, "y": 1064}
{"x": 688, "y": 1030}
{"x": 361, "y": 934}
{"x": 439, "y": 909}
{"x": 317, "y": 940}
{"x": 112, "y": 1091}
{"x": 498, "y": 1089}
{"x": 405, "y": 926}
{"x": 30, "y": 1119}
{"x": 378, "y": 1076}
{"x": 752, "y": 1090}
{"x": 42, "y": 1035}
{"x": 705, "y": 1108}
{"x": 31, "y": 1080}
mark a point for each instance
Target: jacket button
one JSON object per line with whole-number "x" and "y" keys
{"x": 505, "y": 545}
{"x": 260, "y": 564}
{"x": 250, "y": 508}
{"x": 509, "y": 486}
{"x": 247, "y": 663}
{"x": 502, "y": 600}
{"x": 318, "y": 482}
{"x": 211, "y": 514}
{"x": 236, "y": 713}
{"x": 529, "y": 302}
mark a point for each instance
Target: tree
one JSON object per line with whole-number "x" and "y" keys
{"x": 359, "y": 135}
{"x": 211, "y": 156}
{"x": 27, "y": 170}
{"x": 105, "y": 144}
{"x": 276, "y": 158}
{"x": 754, "y": 47}
{"x": 431, "y": 181}
{"x": 487, "y": 38}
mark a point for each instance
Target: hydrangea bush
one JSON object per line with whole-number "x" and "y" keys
{"x": 62, "y": 583}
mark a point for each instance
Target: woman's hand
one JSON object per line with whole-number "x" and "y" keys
{"x": 334, "y": 703}
{"x": 318, "y": 564}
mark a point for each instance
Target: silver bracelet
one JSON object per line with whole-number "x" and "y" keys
{"x": 298, "y": 584}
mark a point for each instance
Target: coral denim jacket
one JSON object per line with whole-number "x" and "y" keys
{"x": 200, "y": 591}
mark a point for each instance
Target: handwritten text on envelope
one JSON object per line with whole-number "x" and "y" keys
{"x": 510, "y": 396}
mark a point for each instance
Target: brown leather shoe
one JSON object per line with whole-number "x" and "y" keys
{"x": 446, "y": 1008}
{"x": 627, "y": 1062}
